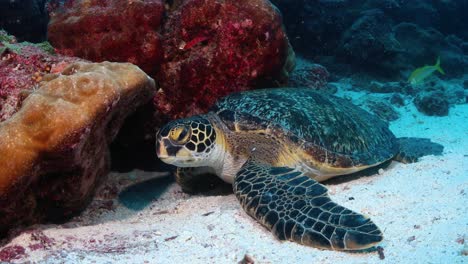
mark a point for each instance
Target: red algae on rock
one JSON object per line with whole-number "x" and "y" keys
{"x": 15, "y": 252}
{"x": 203, "y": 50}
{"x": 55, "y": 149}
{"x": 21, "y": 70}
{"x": 213, "y": 48}
{"x": 120, "y": 30}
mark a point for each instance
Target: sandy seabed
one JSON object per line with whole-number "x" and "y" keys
{"x": 421, "y": 208}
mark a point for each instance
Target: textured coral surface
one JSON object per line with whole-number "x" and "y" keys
{"x": 121, "y": 30}
{"x": 55, "y": 148}
{"x": 213, "y": 48}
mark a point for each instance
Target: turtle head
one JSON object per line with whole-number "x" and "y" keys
{"x": 189, "y": 142}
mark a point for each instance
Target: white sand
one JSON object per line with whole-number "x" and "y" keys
{"x": 421, "y": 208}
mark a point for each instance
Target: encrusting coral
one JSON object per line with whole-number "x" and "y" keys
{"x": 213, "y": 48}
{"x": 201, "y": 50}
{"x": 55, "y": 148}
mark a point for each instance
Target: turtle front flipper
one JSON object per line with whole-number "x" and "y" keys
{"x": 297, "y": 208}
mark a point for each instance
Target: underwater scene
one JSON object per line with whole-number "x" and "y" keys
{"x": 234, "y": 131}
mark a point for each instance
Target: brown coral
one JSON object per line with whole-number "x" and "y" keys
{"x": 55, "y": 148}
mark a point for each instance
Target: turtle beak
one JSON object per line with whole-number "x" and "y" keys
{"x": 161, "y": 150}
{"x": 171, "y": 154}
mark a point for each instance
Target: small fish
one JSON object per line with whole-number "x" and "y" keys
{"x": 418, "y": 75}
{"x": 193, "y": 42}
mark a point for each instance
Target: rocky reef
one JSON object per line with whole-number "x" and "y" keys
{"x": 121, "y": 31}
{"x": 384, "y": 38}
{"x": 55, "y": 147}
{"x": 213, "y": 48}
{"x": 202, "y": 50}
{"x": 310, "y": 75}
{"x": 376, "y": 45}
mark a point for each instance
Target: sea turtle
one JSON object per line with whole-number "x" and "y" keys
{"x": 275, "y": 146}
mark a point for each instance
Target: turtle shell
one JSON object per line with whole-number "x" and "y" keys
{"x": 327, "y": 128}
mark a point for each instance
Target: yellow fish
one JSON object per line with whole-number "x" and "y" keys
{"x": 418, "y": 75}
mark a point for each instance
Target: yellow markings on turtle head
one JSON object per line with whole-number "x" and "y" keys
{"x": 180, "y": 134}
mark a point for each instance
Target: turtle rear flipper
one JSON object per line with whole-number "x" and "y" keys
{"x": 297, "y": 208}
{"x": 411, "y": 149}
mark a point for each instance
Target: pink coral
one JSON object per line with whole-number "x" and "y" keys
{"x": 10, "y": 253}
{"x": 213, "y": 48}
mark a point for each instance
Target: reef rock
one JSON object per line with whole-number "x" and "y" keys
{"x": 418, "y": 44}
{"x": 386, "y": 39}
{"x": 452, "y": 90}
{"x": 22, "y": 67}
{"x": 316, "y": 26}
{"x": 432, "y": 103}
{"x": 369, "y": 42}
{"x": 448, "y": 17}
{"x": 121, "y": 30}
{"x": 382, "y": 109}
{"x": 214, "y": 47}
{"x": 55, "y": 148}
{"x": 313, "y": 76}
{"x": 397, "y": 100}
{"x": 420, "y": 12}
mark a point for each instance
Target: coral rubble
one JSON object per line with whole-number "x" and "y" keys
{"x": 55, "y": 148}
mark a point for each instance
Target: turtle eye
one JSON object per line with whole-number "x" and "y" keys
{"x": 179, "y": 135}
